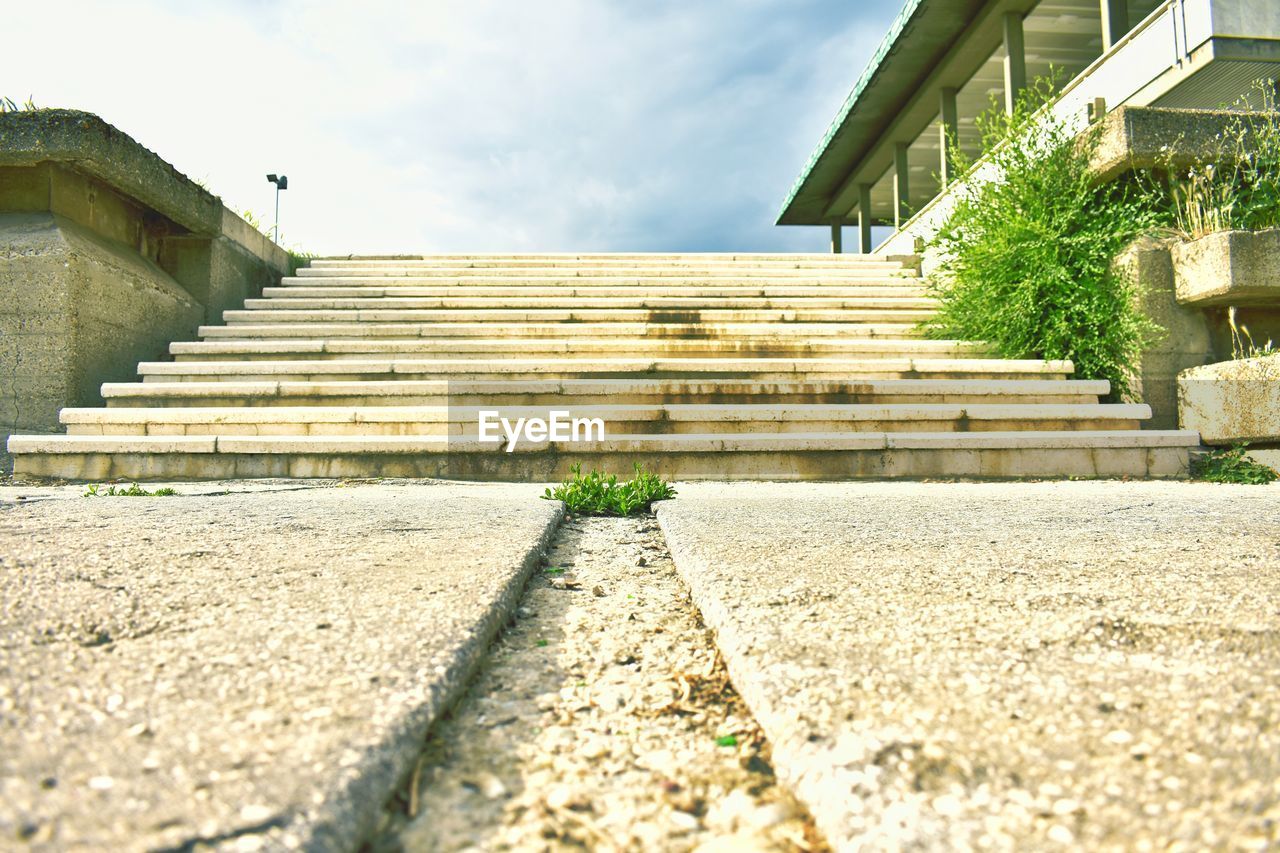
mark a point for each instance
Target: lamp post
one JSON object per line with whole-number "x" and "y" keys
{"x": 282, "y": 183}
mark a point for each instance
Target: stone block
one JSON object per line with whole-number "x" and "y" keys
{"x": 1232, "y": 401}
{"x": 1229, "y": 268}
{"x": 1157, "y": 137}
{"x": 1185, "y": 340}
{"x": 76, "y": 310}
{"x": 220, "y": 272}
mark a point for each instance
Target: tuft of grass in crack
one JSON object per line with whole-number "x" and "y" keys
{"x": 8, "y": 105}
{"x": 594, "y": 493}
{"x": 134, "y": 491}
{"x": 1231, "y": 465}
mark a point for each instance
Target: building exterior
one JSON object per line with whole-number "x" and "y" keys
{"x": 882, "y": 162}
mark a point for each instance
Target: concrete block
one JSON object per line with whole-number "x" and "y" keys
{"x": 1229, "y": 268}
{"x": 1185, "y": 341}
{"x": 111, "y": 444}
{"x": 1232, "y": 401}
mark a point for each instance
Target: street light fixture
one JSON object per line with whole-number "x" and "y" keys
{"x": 282, "y": 183}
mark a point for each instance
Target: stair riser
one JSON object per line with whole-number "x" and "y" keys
{"x": 643, "y": 274}
{"x": 553, "y": 399}
{"x": 814, "y": 262}
{"x": 579, "y": 331}
{"x": 619, "y": 426}
{"x": 661, "y": 303}
{"x": 665, "y": 258}
{"x": 548, "y": 466}
{"x": 623, "y": 349}
{"x": 463, "y": 375}
{"x": 653, "y": 291}
{"x": 583, "y": 315}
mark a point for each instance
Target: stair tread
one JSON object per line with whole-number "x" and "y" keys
{"x": 689, "y": 442}
{"x": 673, "y": 411}
{"x": 905, "y": 386}
{"x": 759, "y": 364}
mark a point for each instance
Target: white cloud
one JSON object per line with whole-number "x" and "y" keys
{"x": 556, "y": 125}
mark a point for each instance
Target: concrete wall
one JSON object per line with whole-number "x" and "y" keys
{"x": 107, "y": 254}
{"x": 1187, "y": 339}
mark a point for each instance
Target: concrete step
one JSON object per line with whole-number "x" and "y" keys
{"x": 627, "y": 420}
{"x": 586, "y": 348}
{"x": 792, "y": 456}
{"x": 630, "y": 279}
{"x": 631, "y": 330}
{"x": 308, "y": 290}
{"x": 664, "y": 259}
{"x": 760, "y": 369}
{"x": 569, "y": 393}
{"x": 584, "y": 315}
{"x": 612, "y": 272}
{"x": 692, "y": 303}
{"x": 667, "y": 258}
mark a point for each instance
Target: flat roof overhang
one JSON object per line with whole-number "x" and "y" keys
{"x": 930, "y": 45}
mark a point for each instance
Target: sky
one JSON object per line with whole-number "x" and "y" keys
{"x": 442, "y": 125}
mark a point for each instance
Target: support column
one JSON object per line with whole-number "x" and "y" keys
{"x": 901, "y": 185}
{"x": 1115, "y": 22}
{"x": 948, "y": 134}
{"x": 1015, "y": 60}
{"x": 864, "y": 218}
{"x": 837, "y": 238}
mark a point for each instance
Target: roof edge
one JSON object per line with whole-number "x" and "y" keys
{"x": 873, "y": 65}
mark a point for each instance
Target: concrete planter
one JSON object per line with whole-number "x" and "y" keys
{"x": 1232, "y": 401}
{"x": 1229, "y": 268}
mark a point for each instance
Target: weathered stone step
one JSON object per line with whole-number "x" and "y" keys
{"x": 576, "y": 392}
{"x": 609, "y": 270}
{"x": 575, "y": 347}
{"x": 307, "y": 290}
{"x": 627, "y": 420}
{"x": 695, "y": 303}
{"x": 587, "y": 330}
{"x": 487, "y": 278}
{"x": 585, "y": 315}
{"x": 792, "y": 456}
{"x": 760, "y": 369}
{"x": 666, "y": 259}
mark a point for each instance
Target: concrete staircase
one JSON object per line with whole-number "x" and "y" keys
{"x": 701, "y": 366}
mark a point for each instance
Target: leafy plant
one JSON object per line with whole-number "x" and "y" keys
{"x": 1240, "y": 189}
{"x": 1026, "y": 258}
{"x": 595, "y": 494}
{"x": 1231, "y": 465}
{"x": 134, "y": 491}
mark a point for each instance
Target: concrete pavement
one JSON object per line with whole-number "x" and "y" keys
{"x": 1089, "y": 664}
{"x": 246, "y": 668}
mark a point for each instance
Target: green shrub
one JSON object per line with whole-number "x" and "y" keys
{"x": 1026, "y": 260}
{"x": 595, "y": 494}
{"x": 1230, "y": 465}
